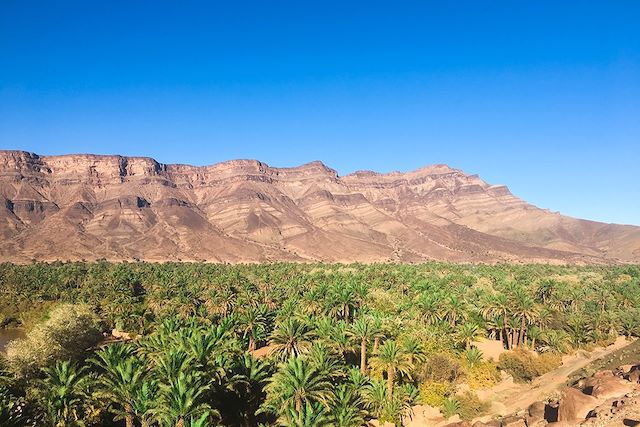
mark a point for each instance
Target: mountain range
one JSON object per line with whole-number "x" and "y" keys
{"x": 85, "y": 206}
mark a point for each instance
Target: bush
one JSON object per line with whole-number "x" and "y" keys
{"x": 67, "y": 334}
{"x": 450, "y": 407}
{"x": 440, "y": 368}
{"x": 434, "y": 393}
{"x": 470, "y": 406}
{"x": 483, "y": 375}
{"x": 524, "y": 365}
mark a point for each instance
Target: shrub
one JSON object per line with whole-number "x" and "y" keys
{"x": 67, "y": 334}
{"x": 433, "y": 393}
{"x": 483, "y": 375}
{"x": 470, "y": 406}
{"x": 524, "y": 366}
{"x": 440, "y": 368}
{"x": 450, "y": 407}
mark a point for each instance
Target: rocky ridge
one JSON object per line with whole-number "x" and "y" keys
{"x": 123, "y": 208}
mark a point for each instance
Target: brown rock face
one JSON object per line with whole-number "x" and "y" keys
{"x": 90, "y": 207}
{"x": 575, "y": 405}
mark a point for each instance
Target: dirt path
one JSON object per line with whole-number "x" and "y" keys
{"x": 512, "y": 397}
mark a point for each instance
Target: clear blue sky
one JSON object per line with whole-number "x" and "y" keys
{"x": 543, "y": 96}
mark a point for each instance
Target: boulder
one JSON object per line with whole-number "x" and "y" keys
{"x": 564, "y": 424}
{"x": 625, "y": 369}
{"x": 633, "y": 375}
{"x": 459, "y": 424}
{"x": 575, "y": 405}
{"x": 535, "y": 422}
{"x": 492, "y": 423}
{"x": 513, "y": 421}
{"x": 536, "y": 409}
{"x": 603, "y": 374}
{"x": 610, "y": 387}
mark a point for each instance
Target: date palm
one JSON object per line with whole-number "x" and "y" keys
{"x": 63, "y": 394}
{"x": 346, "y": 408}
{"x": 429, "y": 306}
{"x": 310, "y": 415}
{"x": 467, "y": 333}
{"x": 291, "y": 337}
{"x": 453, "y": 310}
{"x": 180, "y": 398}
{"x": 391, "y": 359}
{"x": 498, "y": 306}
{"x": 255, "y": 375}
{"x": 254, "y": 323}
{"x": 362, "y": 330}
{"x": 535, "y": 334}
{"x": 296, "y": 384}
{"x": 144, "y": 403}
{"x": 414, "y": 349}
{"x": 525, "y": 310}
{"x": 375, "y": 397}
{"x": 120, "y": 380}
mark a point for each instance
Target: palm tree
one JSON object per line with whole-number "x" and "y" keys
{"x": 310, "y": 415}
{"x": 362, "y": 330}
{"x": 290, "y": 338}
{"x": 342, "y": 302}
{"x": 379, "y": 332}
{"x": 534, "y": 334}
{"x": 346, "y": 409}
{"x": 255, "y": 374}
{"x": 375, "y": 397}
{"x": 181, "y": 398}
{"x": 120, "y": 380}
{"x": 296, "y": 384}
{"x": 454, "y": 309}
{"x": 393, "y": 360}
{"x": 524, "y": 309}
{"x": 254, "y": 323}
{"x": 429, "y": 306}
{"x": 62, "y": 392}
{"x": 325, "y": 361}
{"x": 414, "y": 349}
{"x": 556, "y": 340}
{"x": 498, "y": 306}
{"x": 473, "y": 357}
{"x": 144, "y": 401}
{"x": 468, "y": 332}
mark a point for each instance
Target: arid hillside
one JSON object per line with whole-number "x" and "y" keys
{"x": 123, "y": 208}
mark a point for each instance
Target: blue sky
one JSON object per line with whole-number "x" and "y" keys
{"x": 542, "y": 96}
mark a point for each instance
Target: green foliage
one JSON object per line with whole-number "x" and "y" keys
{"x": 434, "y": 393}
{"x": 524, "y": 366}
{"x": 482, "y": 375}
{"x": 68, "y": 333}
{"x": 470, "y": 406}
{"x": 345, "y": 343}
{"x": 450, "y": 407}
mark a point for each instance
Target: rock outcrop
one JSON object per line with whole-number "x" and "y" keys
{"x": 125, "y": 208}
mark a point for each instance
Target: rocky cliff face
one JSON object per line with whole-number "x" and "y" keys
{"x": 90, "y": 207}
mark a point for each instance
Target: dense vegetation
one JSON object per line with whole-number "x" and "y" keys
{"x": 345, "y": 343}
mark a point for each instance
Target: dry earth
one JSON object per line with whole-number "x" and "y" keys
{"x": 123, "y": 208}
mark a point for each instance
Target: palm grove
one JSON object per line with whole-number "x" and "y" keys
{"x": 289, "y": 344}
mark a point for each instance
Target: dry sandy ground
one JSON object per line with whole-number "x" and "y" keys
{"x": 509, "y": 397}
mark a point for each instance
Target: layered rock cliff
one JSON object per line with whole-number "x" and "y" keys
{"x": 122, "y": 208}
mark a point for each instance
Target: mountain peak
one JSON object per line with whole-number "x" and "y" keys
{"x": 118, "y": 207}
